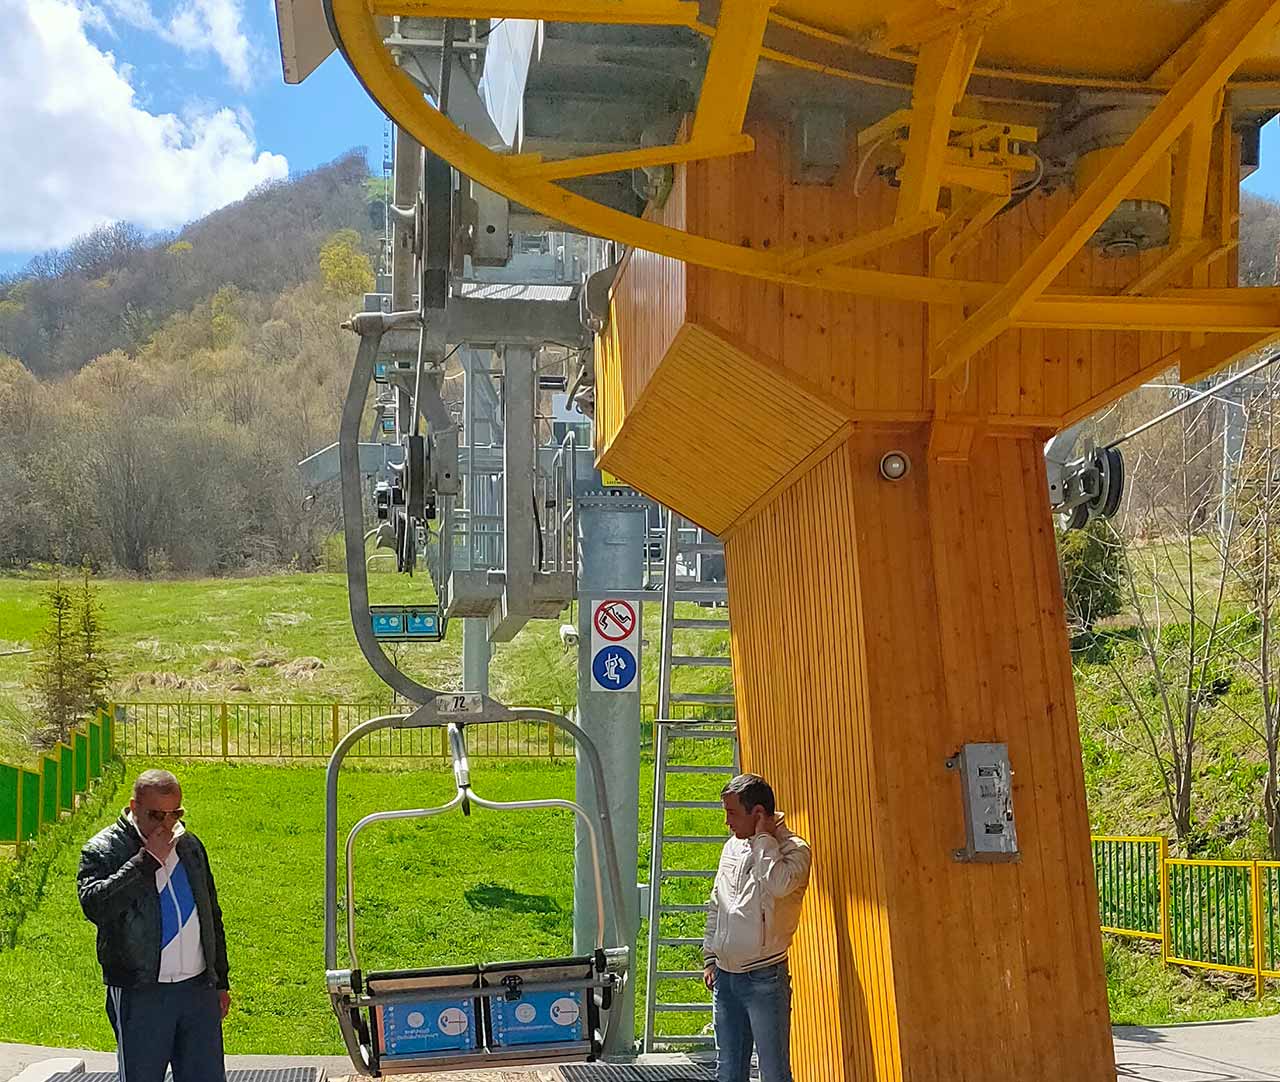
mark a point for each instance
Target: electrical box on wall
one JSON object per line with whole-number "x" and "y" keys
{"x": 986, "y": 786}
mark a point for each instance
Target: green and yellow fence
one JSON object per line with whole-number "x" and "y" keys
{"x": 32, "y": 797}
{"x": 1210, "y": 914}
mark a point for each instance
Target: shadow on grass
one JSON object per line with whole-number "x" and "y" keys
{"x": 493, "y": 896}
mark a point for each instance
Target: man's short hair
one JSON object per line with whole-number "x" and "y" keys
{"x": 155, "y": 781}
{"x": 751, "y": 790}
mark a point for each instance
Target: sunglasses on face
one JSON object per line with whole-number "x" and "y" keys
{"x": 156, "y": 815}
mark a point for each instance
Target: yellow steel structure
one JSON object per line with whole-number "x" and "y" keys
{"x": 1184, "y": 57}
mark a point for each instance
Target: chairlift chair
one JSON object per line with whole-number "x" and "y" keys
{"x": 491, "y": 1013}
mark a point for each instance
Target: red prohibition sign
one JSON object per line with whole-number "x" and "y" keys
{"x": 614, "y": 620}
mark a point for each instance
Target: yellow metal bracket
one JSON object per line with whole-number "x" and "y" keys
{"x": 533, "y": 165}
{"x": 1237, "y": 28}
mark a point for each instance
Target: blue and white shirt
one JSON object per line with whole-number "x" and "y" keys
{"x": 181, "y": 953}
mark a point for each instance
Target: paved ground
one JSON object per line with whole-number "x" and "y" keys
{"x": 1242, "y": 1051}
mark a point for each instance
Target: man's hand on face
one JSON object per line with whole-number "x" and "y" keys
{"x": 765, "y": 822}
{"x": 709, "y": 974}
{"x": 224, "y": 1002}
{"x": 160, "y": 843}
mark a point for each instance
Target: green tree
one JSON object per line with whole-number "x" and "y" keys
{"x": 94, "y": 674}
{"x": 225, "y": 316}
{"x": 56, "y": 679}
{"x": 344, "y": 268}
{"x": 1090, "y": 562}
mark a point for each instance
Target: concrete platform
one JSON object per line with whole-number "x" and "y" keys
{"x": 1247, "y": 1050}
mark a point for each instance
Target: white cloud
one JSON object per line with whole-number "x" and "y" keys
{"x": 80, "y": 151}
{"x": 196, "y": 26}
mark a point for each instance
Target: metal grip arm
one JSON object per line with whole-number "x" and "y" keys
{"x": 353, "y": 511}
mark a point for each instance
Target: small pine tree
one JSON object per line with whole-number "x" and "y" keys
{"x": 56, "y": 680}
{"x": 94, "y": 674}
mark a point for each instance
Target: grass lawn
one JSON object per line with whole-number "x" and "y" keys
{"x": 183, "y": 632}
{"x": 428, "y": 892}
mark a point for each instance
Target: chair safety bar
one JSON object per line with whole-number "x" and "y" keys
{"x": 582, "y": 988}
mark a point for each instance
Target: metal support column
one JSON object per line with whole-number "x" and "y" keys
{"x": 475, "y": 655}
{"x": 611, "y": 552}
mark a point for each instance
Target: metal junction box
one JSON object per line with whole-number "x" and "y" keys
{"x": 986, "y": 786}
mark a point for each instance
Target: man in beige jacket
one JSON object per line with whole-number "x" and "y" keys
{"x": 751, "y": 917}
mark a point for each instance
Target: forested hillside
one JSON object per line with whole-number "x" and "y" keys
{"x": 114, "y": 289}
{"x": 155, "y": 397}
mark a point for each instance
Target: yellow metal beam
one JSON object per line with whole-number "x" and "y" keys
{"x": 731, "y": 69}
{"x": 968, "y": 234}
{"x": 629, "y": 12}
{"x": 991, "y": 181}
{"x": 1239, "y": 26}
{"x": 861, "y": 245}
{"x": 532, "y": 165}
{"x": 1218, "y": 352}
{"x": 1177, "y": 261}
{"x": 942, "y": 72}
{"x": 1180, "y": 310}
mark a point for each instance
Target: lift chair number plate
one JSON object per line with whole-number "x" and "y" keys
{"x": 986, "y": 784}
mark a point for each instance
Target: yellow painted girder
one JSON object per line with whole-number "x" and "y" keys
{"x": 731, "y": 69}
{"x": 630, "y": 12}
{"x": 942, "y": 73}
{"x": 1239, "y": 26}
{"x": 1172, "y": 312}
{"x": 533, "y": 165}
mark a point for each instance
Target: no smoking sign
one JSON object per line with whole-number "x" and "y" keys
{"x": 615, "y": 646}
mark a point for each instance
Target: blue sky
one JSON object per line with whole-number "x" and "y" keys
{"x": 155, "y": 111}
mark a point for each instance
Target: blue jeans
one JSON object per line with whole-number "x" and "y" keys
{"x": 753, "y": 1007}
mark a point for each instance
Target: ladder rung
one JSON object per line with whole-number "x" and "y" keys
{"x": 696, "y": 839}
{"x": 702, "y": 769}
{"x": 712, "y": 699}
{"x": 695, "y": 623}
{"x": 687, "y": 873}
{"x": 700, "y": 593}
{"x": 700, "y": 546}
{"x": 678, "y": 974}
{"x": 671, "y": 941}
{"x": 693, "y": 662}
{"x": 684, "y": 1008}
{"x": 708, "y": 804}
{"x": 691, "y": 733}
{"x": 682, "y": 909}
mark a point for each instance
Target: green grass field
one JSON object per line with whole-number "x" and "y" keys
{"x": 429, "y": 892}
{"x": 177, "y": 640}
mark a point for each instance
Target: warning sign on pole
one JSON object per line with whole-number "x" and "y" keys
{"x": 615, "y": 646}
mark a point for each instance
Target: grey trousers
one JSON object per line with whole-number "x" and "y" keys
{"x": 161, "y": 1024}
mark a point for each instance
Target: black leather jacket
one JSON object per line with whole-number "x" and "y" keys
{"x": 117, "y": 888}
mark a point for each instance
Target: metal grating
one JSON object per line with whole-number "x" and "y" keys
{"x": 636, "y": 1072}
{"x": 262, "y": 1074}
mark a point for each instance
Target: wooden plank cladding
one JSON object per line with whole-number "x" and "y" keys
{"x": 714, "y": 430}
{"x": 877, "y": 627}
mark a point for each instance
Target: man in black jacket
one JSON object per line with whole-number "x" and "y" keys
{"x": 145, "y": 882}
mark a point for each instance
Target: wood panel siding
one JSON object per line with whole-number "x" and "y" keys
{"x": 918, "y": 616}
{"x": 716, "y": 430}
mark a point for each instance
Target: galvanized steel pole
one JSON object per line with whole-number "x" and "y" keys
{"x": 610, "y": 550}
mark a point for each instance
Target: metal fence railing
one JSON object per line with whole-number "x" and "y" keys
{"x": 31, "y": 798}
{"x": 1209, "y": 914}
{"x": 239, "y": 730}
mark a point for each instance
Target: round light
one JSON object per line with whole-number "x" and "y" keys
{"x": 894, "y": 466}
